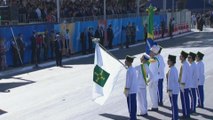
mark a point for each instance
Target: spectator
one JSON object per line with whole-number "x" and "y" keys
{"x": 110, "y": 36}
{"x": 67, "y": 42}
{"x": 33, "y": 46}
{"x": 163, "y": 27}
{"x": 90, "y": 37}
{"x": 128, "y": 34}
{"x": 133, "y": 33}
{"x": 3, "y": 50}
{"x": 46, "y": 44}
{"x": 83, "y": 42}
{"x": 21, "y": 46}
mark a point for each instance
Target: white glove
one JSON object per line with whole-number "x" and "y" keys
{"x": 126, "y": 92}
{"x": 182, "y": 88}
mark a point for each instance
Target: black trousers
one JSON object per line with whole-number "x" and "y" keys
{"x": 58, "y": 58}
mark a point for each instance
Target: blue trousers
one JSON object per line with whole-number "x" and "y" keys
{"x": 160, "y": 91}
{"x": 193, "y": 99}
{"x": 200, "y": 93}
{"x": 132, "y": 106}
{"x": 185, "y": 102}
{"x": 174, "y": 105}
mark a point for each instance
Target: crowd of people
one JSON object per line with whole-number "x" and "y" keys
{"x": 46, "y": 10}
{"x": 150, "y": 74}
{"x": 43, "y": 44}
{"x": 199, "y": 20}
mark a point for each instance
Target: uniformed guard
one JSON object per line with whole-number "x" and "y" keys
{"x": 173, "y": 85}
{"x": 184, "y": 85}
{"x": 143, "y": 75}
{"x": 193, "y": 80}
{"x": 201, "y": 79}
{"x": 153, "y": 83}
{"x": 58, "y": 50}
{"x": 131, "y": 87}
{"x": 161, "y": 73}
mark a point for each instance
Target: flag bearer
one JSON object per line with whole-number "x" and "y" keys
{"x": 143, "y": 74}
{"x": 153, "y": 83}
{"x": 173, "y": 85}
{"x": 184, "y": 85}
{"x": 193, "y": 80}
{"x": 131, "y": 87}
{"x": 161, "y": 68}
{"x": 201, "y": 79}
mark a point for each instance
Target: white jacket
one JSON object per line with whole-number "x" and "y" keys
{"x": 140, "y": 77}
{"x": 201, "y": 71}
{"x": 131, "y": 80}
{"x": 153, "y": 66}
{"x": 161, "y": 69}
{"x": 185, "y": 74}
{"x": 172, "y": 83}
{"x": 193, "y": 74}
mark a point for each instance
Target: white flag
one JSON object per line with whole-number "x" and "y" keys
{"x": 105, "y": 74}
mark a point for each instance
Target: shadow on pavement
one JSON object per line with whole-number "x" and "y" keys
{"x": 114, "y": 117}
{"x": 5, "y": 87}
{"x": 2, "y": 112}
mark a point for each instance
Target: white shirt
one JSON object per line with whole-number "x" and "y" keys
{"x": 131, "y": 80}
{"x": 193, "y": 75}
{"x": 185, "y": 74}
{"x": 201, "y": 71}
{"x": 153, "y": 66}
{"x": 67, "y": 36}
{"x": 38, "y": 11}
{"x": 140, "y": 77}
{"x": 173, "y": 84}
{"x": 161, "y": 66}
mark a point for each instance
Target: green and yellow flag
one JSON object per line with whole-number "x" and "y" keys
{"x": 151, "y": 10}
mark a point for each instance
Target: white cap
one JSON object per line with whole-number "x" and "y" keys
{"x": 155, "y": 49}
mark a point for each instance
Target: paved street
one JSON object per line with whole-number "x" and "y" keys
{"x": 55, "y": 93}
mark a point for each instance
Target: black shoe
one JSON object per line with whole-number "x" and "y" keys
{"x": 200, "y": 106}
{"x": 153, "y": 109}
{"x": 160, "y": 104}
{"x": 144, "y": 115}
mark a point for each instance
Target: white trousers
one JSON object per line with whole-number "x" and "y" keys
{"x": 142, "y": 101}
{"x": 153, "y": 91}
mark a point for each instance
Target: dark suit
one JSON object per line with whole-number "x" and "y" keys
{"x": 110, "y": 36}
{"x": 58, "y": 51}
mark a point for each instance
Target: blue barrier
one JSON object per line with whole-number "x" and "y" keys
{"x": 75, "y": 30}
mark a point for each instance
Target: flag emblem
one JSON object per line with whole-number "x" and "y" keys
{"x": 100, "y": 76}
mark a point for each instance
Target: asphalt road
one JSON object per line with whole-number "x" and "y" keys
{"x": 54, "y": 93}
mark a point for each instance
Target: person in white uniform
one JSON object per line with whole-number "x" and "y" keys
{"x": 153, "y": 83}
{"x": 143, "y": 75}
{"x": 131, "y": 87}
{"x": 184, "y": 85}
{"x": 193, "y": 80}
{"x": 201, "y": 79}
{"x": 161, "y": 69}
{"x": 173, "y": 85}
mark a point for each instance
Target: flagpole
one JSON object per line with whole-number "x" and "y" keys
{"x": 109, "y": 53}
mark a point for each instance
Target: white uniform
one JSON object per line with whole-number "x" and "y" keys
{"x": 185, "y": 74}
{"x": 153, "y": 84}
{"x": 131, "y": 80}
{"x": 161, "y": 66}
{"x": 173, "y": 84}
{"x": 193, "y": 75}
{"x": 142, "y": 99}
{"x": 201, "y": 76}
